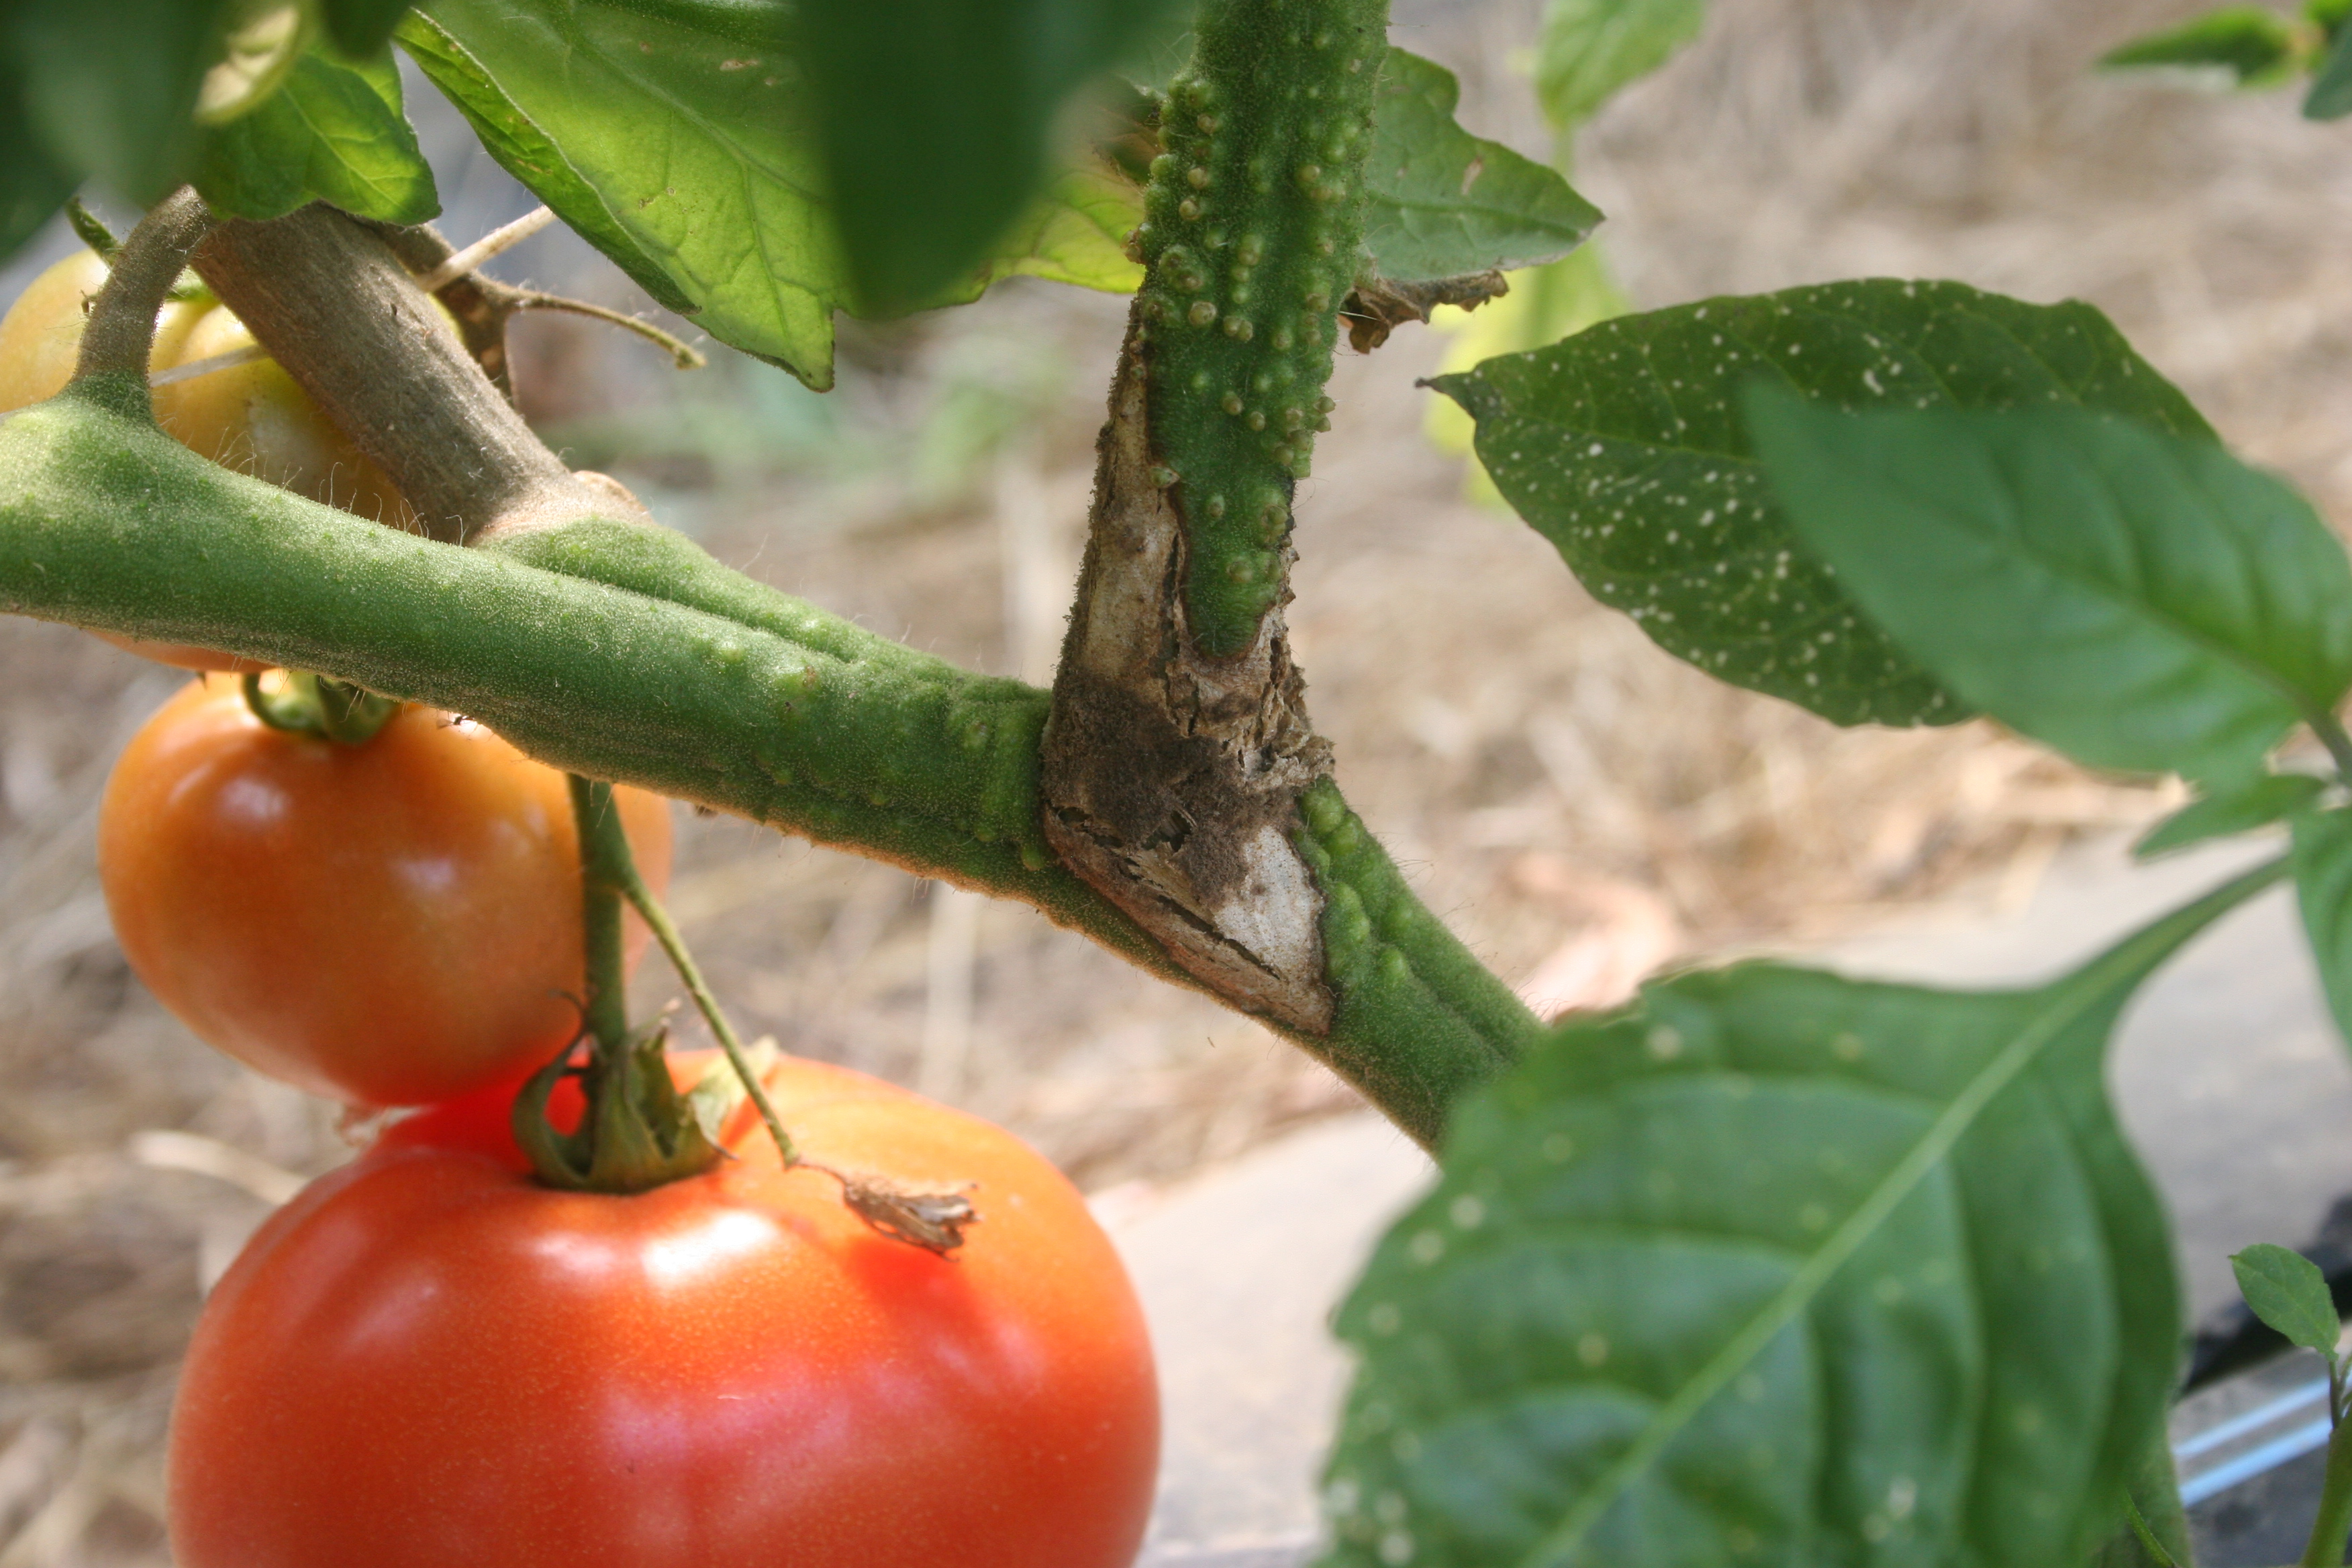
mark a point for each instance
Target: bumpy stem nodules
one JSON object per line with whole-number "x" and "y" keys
{"x": 1252, "y": 238}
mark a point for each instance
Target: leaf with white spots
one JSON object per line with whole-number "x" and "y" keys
{"x": 2138, "y": 600}
{"x": 1625, "y": 447}
{"x": 1774, "y": 1266}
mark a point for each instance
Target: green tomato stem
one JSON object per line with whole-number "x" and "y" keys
{"x": 649, "y": 908}
{"x": 606, "y": 866}
{"x": 624, "y": 652}
{"x": 316, "y": 705}
{"x": 1252, "y": 236}
{"x": 636, "y": 1131}
{"x": 2329, "y": 1530}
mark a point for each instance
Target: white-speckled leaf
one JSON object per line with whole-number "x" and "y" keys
{"x": 2140, "y": 601}
{"x": 1625, "y": 447}
{"x": 1777, "y": 1267}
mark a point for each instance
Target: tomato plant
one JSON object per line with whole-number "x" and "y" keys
{"x": 1772, "y": 1265}
{"x": 428, "y": 1358}
{"x": 390, "y": 923}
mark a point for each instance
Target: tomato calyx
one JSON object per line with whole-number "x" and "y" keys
{"x": 638, "y": 1132}
{"x": 319, "y": 705}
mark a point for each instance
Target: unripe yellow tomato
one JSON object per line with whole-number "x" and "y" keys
{"x": 250, "y": 417}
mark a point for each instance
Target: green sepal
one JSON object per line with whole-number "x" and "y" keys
{"x": 319, "y": 706}
{"x": 638, "y": 1135}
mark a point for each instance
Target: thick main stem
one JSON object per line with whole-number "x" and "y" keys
{"x": 1253, "y": 236}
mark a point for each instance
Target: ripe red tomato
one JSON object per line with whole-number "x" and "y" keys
{"x": 426, "y": 1359}
{"x": 392, "y": 923}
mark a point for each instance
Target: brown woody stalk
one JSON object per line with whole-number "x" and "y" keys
{"x": 331, "y": 302}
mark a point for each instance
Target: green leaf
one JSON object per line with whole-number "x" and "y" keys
{"x": 934, "y": 117}
{"x": 361, "y": 28}
{"x": 2287, "y": 1291}
{"x": 2137, "y": 600}
{"x": 1623, "y": 446}
{"x": 1076, "y": 233}
{"x": 2254, "y": 43}
{"x": 2328, "y": 16}
{"x": 110, "y": 89}
{"x": 334, "y": 132}
{"x": 2330, "y": 97}
{"x": 1589, "y": 49}
{"x": 1774, "y": 1266}
{"x": 2256, "y": 804}
{"x": 1441, "y": 203}
{"x": 679, "y": 150}
{"x": 33, "y": 184}
{"x": 2323, "y": 887}
{"x": 2155, "y": 1532}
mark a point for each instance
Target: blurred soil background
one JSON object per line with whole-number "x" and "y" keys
{"x": 1580, "y": 807}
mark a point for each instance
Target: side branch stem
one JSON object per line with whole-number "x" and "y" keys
{"x": 328, "y": 299}
{"x": 122, "y": 330}
{"x": 649, "y": 908}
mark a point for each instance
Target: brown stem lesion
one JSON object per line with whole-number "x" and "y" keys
{"x": 1171, "y": 779}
